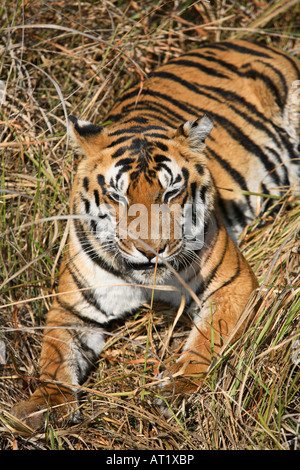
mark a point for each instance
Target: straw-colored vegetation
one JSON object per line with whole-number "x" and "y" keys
{"x": 59, "y": 57}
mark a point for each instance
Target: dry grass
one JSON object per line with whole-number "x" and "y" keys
{"x": 58, "y": 57}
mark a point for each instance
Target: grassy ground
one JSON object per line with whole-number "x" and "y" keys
{"x": 75, "y": 57}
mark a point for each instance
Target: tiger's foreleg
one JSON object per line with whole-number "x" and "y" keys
{"x": 70, "y": 348}
{"x": 229, "y": 284}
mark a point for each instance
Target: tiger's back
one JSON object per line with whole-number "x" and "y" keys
{"x": 250, "y": 92}
{"x": 158, "y": 150}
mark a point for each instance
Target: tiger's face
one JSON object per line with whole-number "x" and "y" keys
{"x": 142, "y": 196}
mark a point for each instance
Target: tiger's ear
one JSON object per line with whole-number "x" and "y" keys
{"x": 195, "y": 132}
{"x": 89, "y": 137}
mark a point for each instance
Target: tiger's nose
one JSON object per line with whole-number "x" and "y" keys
{"x": 149, "y": 254}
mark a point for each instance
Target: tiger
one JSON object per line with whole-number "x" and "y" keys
{"x": 208, "y": 138}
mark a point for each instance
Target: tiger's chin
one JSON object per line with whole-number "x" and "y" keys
{"x": 154, "y": 270}
{"x": 148, "y": 273}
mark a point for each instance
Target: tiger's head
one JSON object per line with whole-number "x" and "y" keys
{"x": 142, "y": 196}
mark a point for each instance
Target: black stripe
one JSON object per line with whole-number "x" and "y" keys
{"x": 86, "y": 183}
{"x": 156, "y": 135}
{"x": 199, "y": 169}
{"x": 175, "y": 78}
{"x": 87, "y": 294}
{"x": 161, "y": 117}
{"x": 169, "y": 194}
{"x": 70, "y": 308}
{"x": 185, "y": 173}
{"x": 198, "y": 65}
{"x": 285, "y": 180}
{"x": 239, "y": 48}
{"x": 102, "y": 184}
{"x": 215, "y": 269}
{"x": 162, "y": 147}
{"x": 158, "y": 109}
{"x": 226, "y": 209}
{"x": 118, "y": 153}
{"x": 193, "y": 187}
{"x": 137, "y": 120}
{"x": 78, "y": 314}
{"x": 229, "y": 281}
{"x": 122, "y": 170}
{"x": 223, "y": 210}
{"x": 89, "y": 357}
{"x": 203, "y": 192}
{"x": 238, "y": 213}
{"x": 118, "y": 141}
{"x": 137, "y": 130}
{"x": 127, "y": 95}
{"x": 86, "y": 203}
{"x": 165, "y": 167}
{"x": 227, "y": 65}
{"x": 182, "y": 190}
{"x": 159, "y": 158}
{"x": 236, "y": 175}
{"x": 292, "y": 152}
{"x": 125, "y": 161}
{"x": 203, "y": 286}
{"x": 97, "y": 198}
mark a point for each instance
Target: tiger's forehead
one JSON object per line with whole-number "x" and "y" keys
{"x": 151, "y": 158}
{"x": 143, "y": 155}
{"x": 126, "y": 172}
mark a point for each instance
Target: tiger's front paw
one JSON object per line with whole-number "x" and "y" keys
{"x": 31, "y": 413}
{"x": 35, "y": 411}
{"x": 181, "y": 380}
